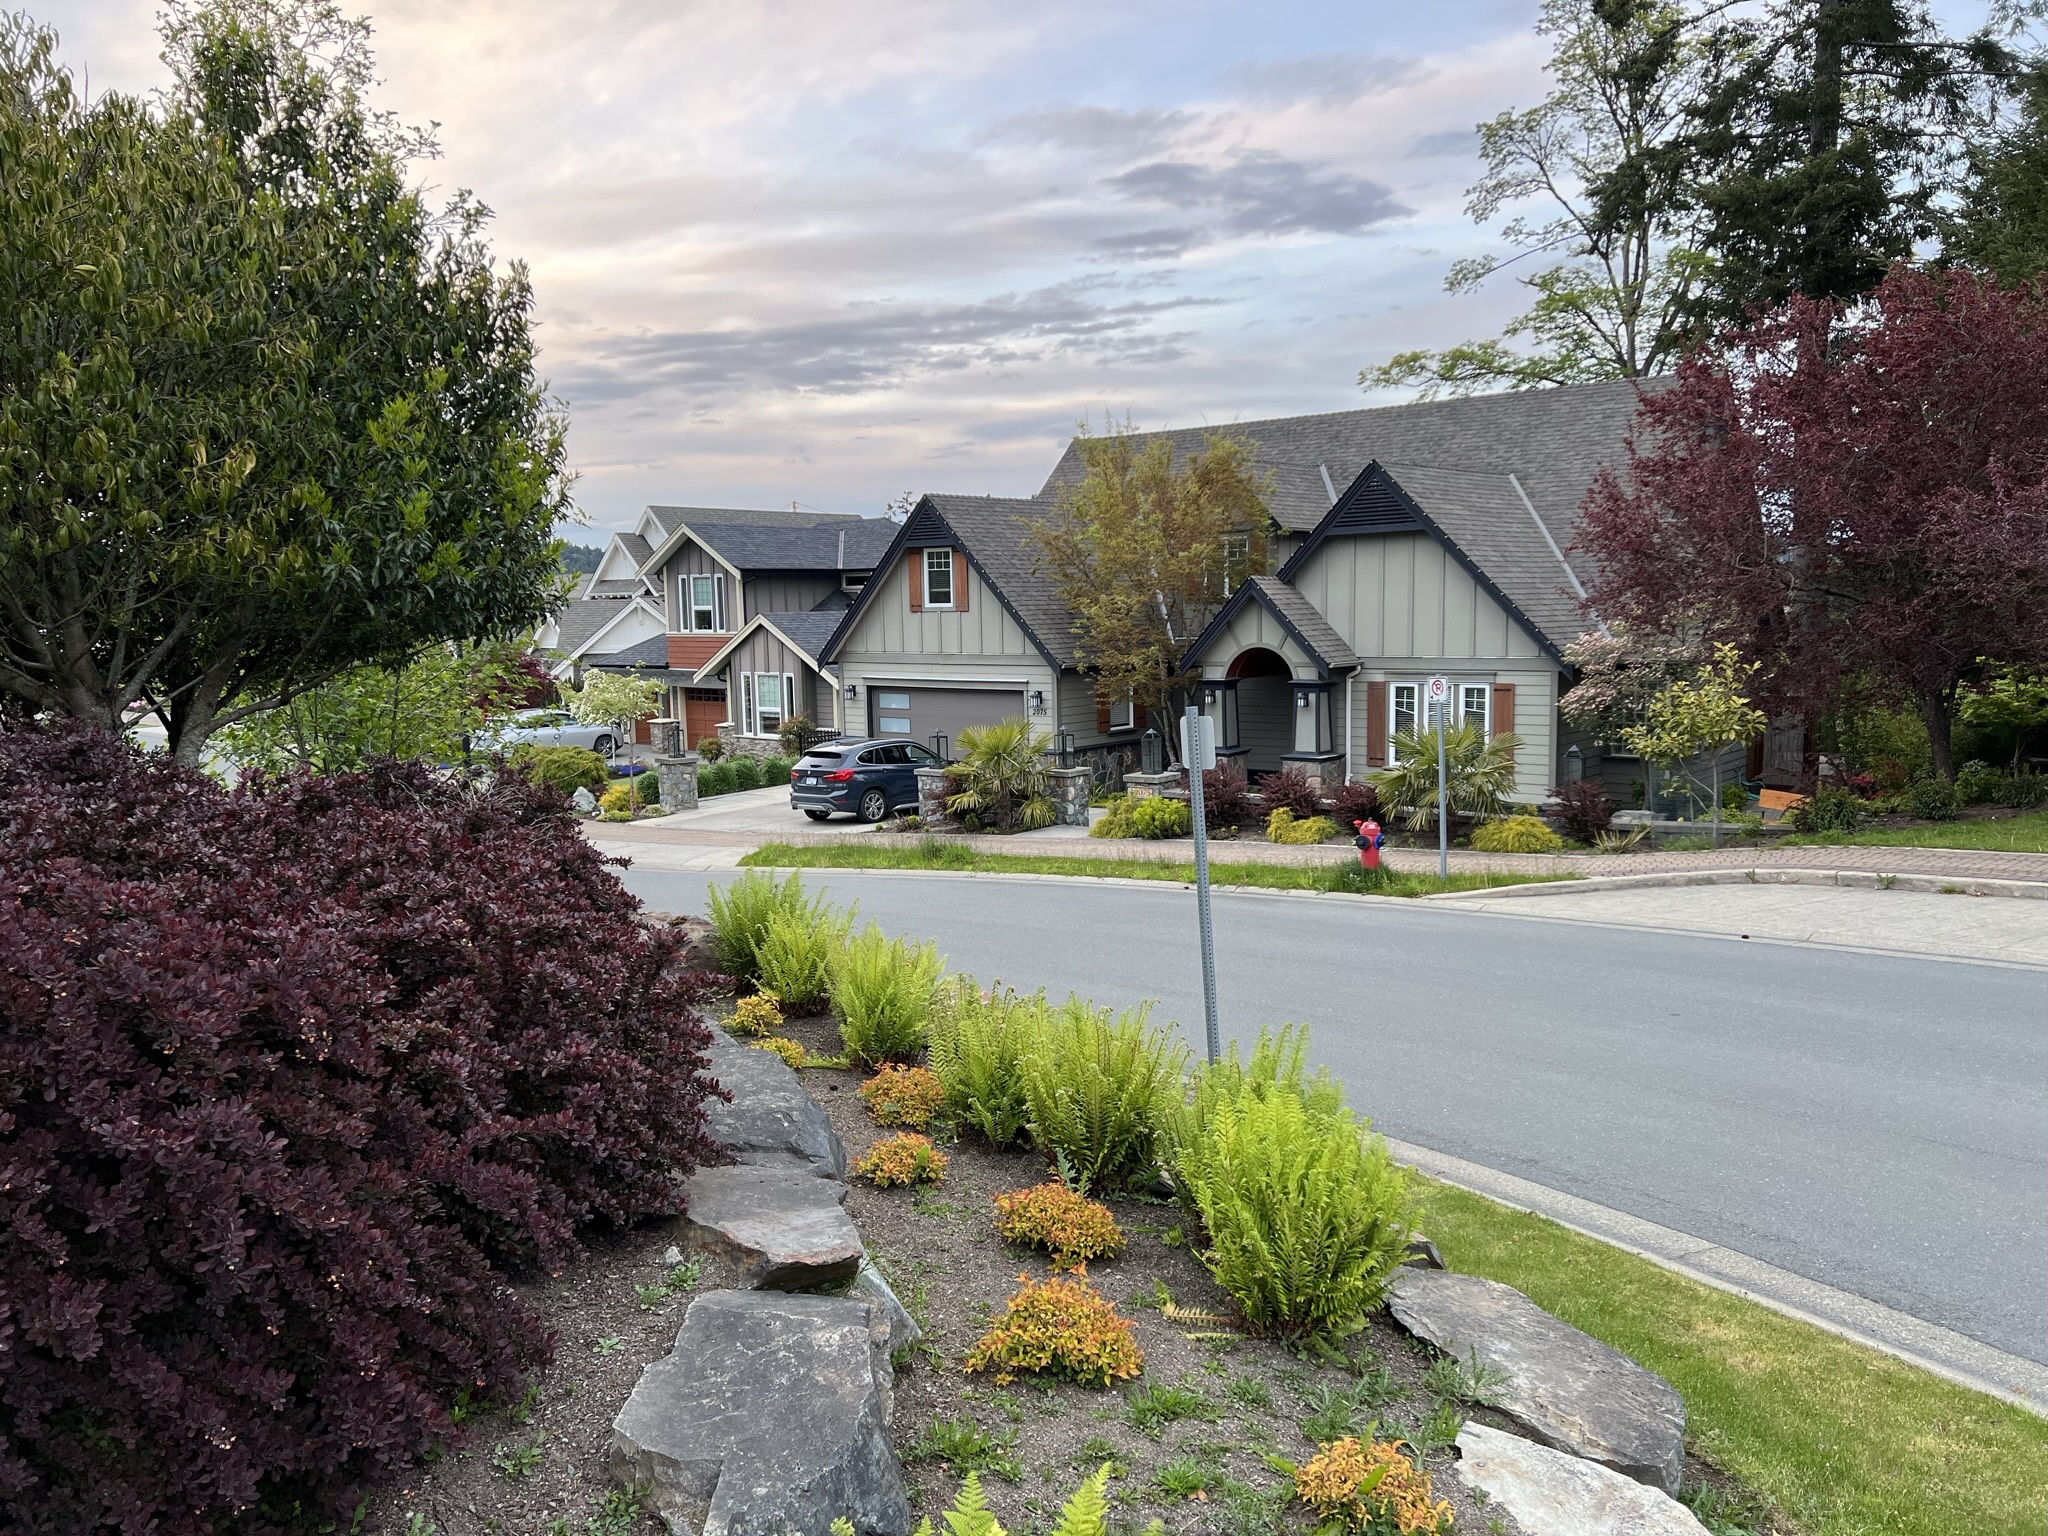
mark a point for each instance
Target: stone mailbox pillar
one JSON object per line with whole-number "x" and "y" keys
{"x": 677, "y": 775}
{"x": 1069, "y": 790}
{"x": 1143, "y": 786}
{"x": 932, "y": 788}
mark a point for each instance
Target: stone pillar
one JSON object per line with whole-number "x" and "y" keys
{"x": 933, "y": 786}
{"x": 677, "y": 776}
{"x": 1069, "y": 790}
{"x": 1325, "y": 770}
{"x": 1143, "y": 786}
{"x": 668, "y": 737}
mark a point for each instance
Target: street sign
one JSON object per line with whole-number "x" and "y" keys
{"x": 1439, "y": 689}
{"x": 1198, "y": 742}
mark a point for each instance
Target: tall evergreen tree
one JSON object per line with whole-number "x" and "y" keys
{"x": 2002, "y": 224}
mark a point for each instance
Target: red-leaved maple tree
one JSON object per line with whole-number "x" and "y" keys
{"x": 1845, "y": 495}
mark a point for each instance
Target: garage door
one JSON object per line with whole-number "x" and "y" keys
{"x": 922, "y": 713}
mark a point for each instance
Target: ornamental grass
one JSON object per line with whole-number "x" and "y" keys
{"x": 1071, "y": 1228}
{"x": 1058, "y": 1327}
{"x": 1371, "y": 1487}
{"x": 905, "y": 1096}
{"x": 906, "y": 1159}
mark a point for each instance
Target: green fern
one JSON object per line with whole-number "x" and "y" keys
{"x": 741, "y": 913}
{"x": 1097, "y": 1089}
{"x": 795, "y": 955}
{"x": 1087, "y": 1512}
{"x": 977, "y": 1047}
{"x": 1278, "y": 1064}
{"x": 883, "y": 990}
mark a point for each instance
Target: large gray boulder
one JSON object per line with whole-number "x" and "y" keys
{"x": 769, "y": 1418}
{"x": 871, "y": 1283}
{"x": 1553, "y": 1494}
{"x": 1564, "y": 1387}
{"x": 770, "y": 1118}
{"x": 782, "y": 1227}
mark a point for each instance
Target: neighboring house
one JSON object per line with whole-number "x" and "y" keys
{"x": 1409, "y": 541}
{"x": 958, "y": 628}
{"x": 740, "y": 601}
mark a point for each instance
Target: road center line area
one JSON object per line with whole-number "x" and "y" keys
{"x": 1875, "y": 1123}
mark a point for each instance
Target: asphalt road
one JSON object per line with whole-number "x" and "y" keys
{"x": 1877, "y": 1123}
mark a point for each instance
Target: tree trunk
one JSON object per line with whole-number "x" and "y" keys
{"x": 1936, "y": 713}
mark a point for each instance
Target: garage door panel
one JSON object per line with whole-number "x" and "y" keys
{"x": 922, "y": 713}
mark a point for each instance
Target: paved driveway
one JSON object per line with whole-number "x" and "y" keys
{"x": 1877, "y": 1123}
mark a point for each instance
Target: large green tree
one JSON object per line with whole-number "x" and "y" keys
{"x": 1625, "y": 74}
{"x": 1143, "y": 550}
{"x": 2002, "y": 222}
{"x": 264, "y": 414}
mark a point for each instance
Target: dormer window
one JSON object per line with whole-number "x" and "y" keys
{"x": 938, "y": 578}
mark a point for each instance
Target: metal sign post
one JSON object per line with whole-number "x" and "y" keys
{"x": 1440, "y": 699}
{"x": 1198, "y": 752}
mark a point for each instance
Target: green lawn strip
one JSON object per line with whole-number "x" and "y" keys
{"x": 2014, "y": 834}
{"x": 1333, "y": 876}
{"x": 1844, "y": 1440}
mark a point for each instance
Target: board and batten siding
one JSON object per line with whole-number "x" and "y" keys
{"x": 788, "y": 592}
{"x": 1410, "y": 611}
{"x": 762, "y": 651}
{"x": 943, "y": 646}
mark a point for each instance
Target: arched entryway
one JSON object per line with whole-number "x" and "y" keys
{"x": 1265, "y": 707}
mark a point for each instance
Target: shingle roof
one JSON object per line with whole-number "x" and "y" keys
{"x": 808, "y": 632}
{"x": 583, "y": 618}
{"x": 1302, "y": 616}
{"x": 996, "y": 531}
{"x": 652, "y": 652}
{"x": 629, "y": 588}
{"x": 846, "y": 544}
{"x": 672, "y": 518}
{"x": 635, "y": 546}
{"x": 1554, "y": 440}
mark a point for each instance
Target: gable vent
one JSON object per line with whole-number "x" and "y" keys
{"x": 927, "y": 527}
{"x": 1374, "y": 508}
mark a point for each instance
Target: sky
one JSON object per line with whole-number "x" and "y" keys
{"x": 829, "y": 253}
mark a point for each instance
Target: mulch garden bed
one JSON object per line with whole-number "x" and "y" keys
{"x": 1188, "y": 1440}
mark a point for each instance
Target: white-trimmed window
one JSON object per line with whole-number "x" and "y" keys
{"x": 1237, "y": 548}
{"x": 767, "y": 698}
{"x": 706, "y": 604}
{"x": 938, "y": 578}
{"x": 1475, "y": 707}
{"x": 1124, "y": 716}
{"x": 853, "y": 581}
{"x": 1407, "y": 714}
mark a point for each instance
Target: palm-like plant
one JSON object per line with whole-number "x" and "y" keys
{"x": 1000, "y": 778}
{"x": 1478, "y": 775}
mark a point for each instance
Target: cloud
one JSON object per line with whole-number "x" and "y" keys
{"x": 1103, "y": 131}
{"x": 1328, "y": 79}
{"x": 870, "y": 345}
{"x": 1263, "y": 193}
{"x": 1451, "y": 141}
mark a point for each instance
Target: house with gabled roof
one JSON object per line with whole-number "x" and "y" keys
{"x": 1409, "y": 542}
{"x": 674, "y": 598}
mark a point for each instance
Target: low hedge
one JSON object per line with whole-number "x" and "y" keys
{"x": 291, "y": 1077}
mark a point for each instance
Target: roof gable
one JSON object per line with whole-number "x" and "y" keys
{"x": 1316, "y": 636}
{"x": 806, "y": 632}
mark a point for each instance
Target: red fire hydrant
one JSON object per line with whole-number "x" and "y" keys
{"x": 1369, "y": 842}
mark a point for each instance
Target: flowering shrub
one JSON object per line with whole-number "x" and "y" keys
{"x": 755, "y": 1016}
{"x": 1061, "y": 1328}
{"x": 286, "y": 1075}
{"x": 1284, "y": 827}
{"x": 1070, "y": 1227}
{"x": 899, "y": 1095}
{"x": 906, "y": 1159}
{"x": 1370, "y": 1487}
{"x": 791, "y": 1051}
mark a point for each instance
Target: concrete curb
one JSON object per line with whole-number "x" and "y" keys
{"x": 1952, "y": 885}
{"x": 1953, "y": 1356}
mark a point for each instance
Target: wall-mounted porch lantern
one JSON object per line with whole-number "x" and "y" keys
{"x": 852, "y": 692}
{"x": 1037, "y": 701}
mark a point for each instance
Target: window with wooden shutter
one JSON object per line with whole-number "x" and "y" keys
{"x": 1102, "y": 714}
{"x": 1375, "y": 725}
{"x": 1503, "y": 708}
{"x": 959, "y": 581}
{"x": 913, "y": 567}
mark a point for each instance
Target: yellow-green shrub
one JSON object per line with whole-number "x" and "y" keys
{"x": 742, "y": 911}
{"x": 899, "y": 1095}
{"x": 1059, "y": 1327}
{"x": 1370, "y": 1486}
{"x": 1097, "y": 1087}
{"x": 565, "y": 768}
{"x": 791, "y": 1051}
{"x": 978, "y": 1041}
{"x": 1071, "y": 1228}
{"x": 1283, "y": 827}
{"x": 1155, "y": 816}
{"x": 1306, "y": 1212}
{"x": 617, "y": 800}
{"x": 1515, "y": 834}
{"x": 905, "y": 1159}
{"x": 883, "y": 990}
{"x": 755, "y": 1016}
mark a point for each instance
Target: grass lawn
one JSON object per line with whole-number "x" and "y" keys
{"x": 1845, "y": 1441}
{"x": 2012, "y": 834}
{"x": 936, "y": 853}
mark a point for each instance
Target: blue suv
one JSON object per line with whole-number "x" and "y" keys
{"x": 869, "y": 779}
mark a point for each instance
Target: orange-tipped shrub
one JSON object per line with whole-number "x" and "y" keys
{"x": 906, "y": 1159}
{"x": 1370, "y": 1486}
{"x": 1071, "y": 1228}
{"x": 899, "y": 1095}
{"x": 1059, "y": 1328}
